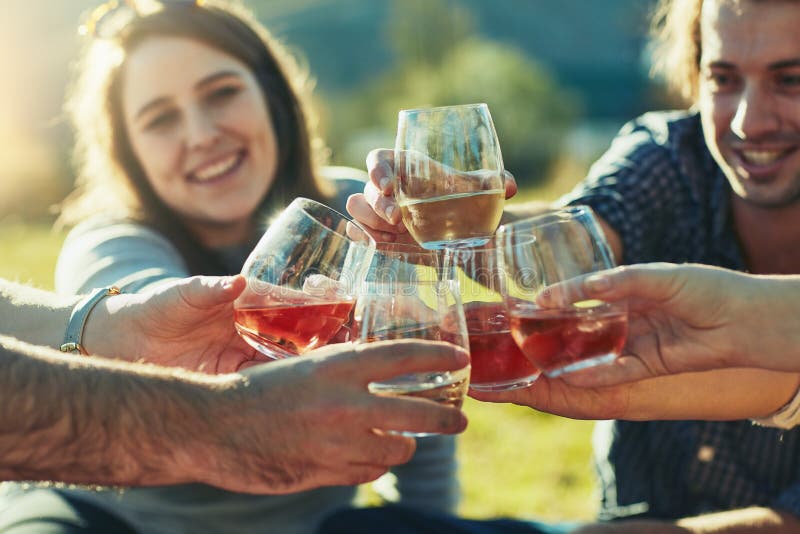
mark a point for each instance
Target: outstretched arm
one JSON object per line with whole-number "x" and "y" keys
{"x": 718, "y": 395}
{"x": 693, "y": 318}
{"x": 284, "y": 427}
{"x": 184, "y": 323}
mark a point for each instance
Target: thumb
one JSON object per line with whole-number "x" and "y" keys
{"x": 510, "y": 183}
{"x": 656, "y": 282}
{"x": 210, "y": 291}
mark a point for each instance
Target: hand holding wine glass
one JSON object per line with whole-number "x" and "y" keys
{"x": 301, "y": 280}
{"x": 449, "y": 175}
{"x": 687, "y": 317}
{"x": 559, "y": 335}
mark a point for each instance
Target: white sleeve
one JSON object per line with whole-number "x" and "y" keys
{"x": 100, "y": 254}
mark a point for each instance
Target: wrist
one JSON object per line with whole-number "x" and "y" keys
{"x": 81, "y": 312}
{"x": 213, "y": 407}
{"x": 772, "y": 311}
{"x": 108, "y": 329}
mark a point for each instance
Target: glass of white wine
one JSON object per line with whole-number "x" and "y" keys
{"x": 449, "y": 175}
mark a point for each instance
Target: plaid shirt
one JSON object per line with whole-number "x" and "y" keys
{"x": 661, "y": 190}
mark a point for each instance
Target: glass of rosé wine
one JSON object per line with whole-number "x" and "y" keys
{"x": 302, "y": 279}
{"x": 497, "y": 362}
{"x": 558, "y": 332}
{"x": 449, "y": 180}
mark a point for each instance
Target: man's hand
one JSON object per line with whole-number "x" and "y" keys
{"x": 187, "y": 323}
{"x": 376, "y": 208}
{"x": 310, "y": 421}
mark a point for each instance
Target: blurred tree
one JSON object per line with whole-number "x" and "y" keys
{"x": 424, "y": 32}
{"x": 443, "y": 65}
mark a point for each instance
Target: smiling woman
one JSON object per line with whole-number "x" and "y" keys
{"x": 191, "y": 125}
{"x": 191, "y": 120}
{"x": 198, "y": 124}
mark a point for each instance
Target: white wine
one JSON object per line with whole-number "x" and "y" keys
{"x": 461, "y": 219}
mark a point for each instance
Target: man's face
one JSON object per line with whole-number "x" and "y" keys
{"x": 749, "y": 96}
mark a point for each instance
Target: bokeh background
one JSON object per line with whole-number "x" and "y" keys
{"x": 560, "y": 78}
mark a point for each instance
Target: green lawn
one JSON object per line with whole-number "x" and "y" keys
{"x": 513, "y": 461}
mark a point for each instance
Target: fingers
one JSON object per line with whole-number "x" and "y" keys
{"x": 415, "y": 414}
{"x": 521, "y": 396}
{"x": 621, "y": 371}
{"x": 361, "y": 209}
{"x": 382, "y": 360}
{"x": 384, "y": 206}
{"x": 380, "y": 449}
{"x": 380, "y": 167}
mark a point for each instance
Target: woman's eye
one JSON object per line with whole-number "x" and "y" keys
{"x": 223, "y": 93}
{"x": 162, "y": 120}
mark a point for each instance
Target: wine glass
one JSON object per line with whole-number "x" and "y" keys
{"x": 428, "y": 309}
{"x": 302, "y": 279}
{"x": 554, "y": 329}
{"x": 497, "y": 362}
{"x": 449, "y": 175}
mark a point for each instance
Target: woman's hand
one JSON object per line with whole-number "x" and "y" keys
{"x": 185, "y": 323}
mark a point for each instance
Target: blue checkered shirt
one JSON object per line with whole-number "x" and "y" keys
{"x": 661, "y": 190}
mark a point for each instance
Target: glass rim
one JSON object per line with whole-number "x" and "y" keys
{"x": 403, "y": 248}
{"x": 303, "y": 202}
{"x": 545, "y": 219}
{"x": 437, "y": 109}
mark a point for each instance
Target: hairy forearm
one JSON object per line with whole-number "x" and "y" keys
{"x": 82, "y": 421}
{"x": 32, "y": 315}
{"x": 722, "y": 394}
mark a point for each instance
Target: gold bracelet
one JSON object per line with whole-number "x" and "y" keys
{"x": 77, "y": 319}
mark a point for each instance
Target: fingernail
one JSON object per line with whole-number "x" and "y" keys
{"x": 227, "y": 282}
{"x": 597, "y": 283}
{"x": 384, "y": 183}
{"x": 389, "y": 211}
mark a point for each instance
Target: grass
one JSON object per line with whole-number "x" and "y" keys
{"x": 29, "y": 253}
{"x": 513, "y": 461}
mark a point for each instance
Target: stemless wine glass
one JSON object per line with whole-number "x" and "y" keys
{"x": 497, "y": 362}
{"x": 302, "y": 279}
{"x": 449, "y": 175}
{"x": 555, "y": 331}
{"x": 428, "y": 308}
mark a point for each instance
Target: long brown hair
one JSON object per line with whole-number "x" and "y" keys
{"x": 110, "y": 178}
